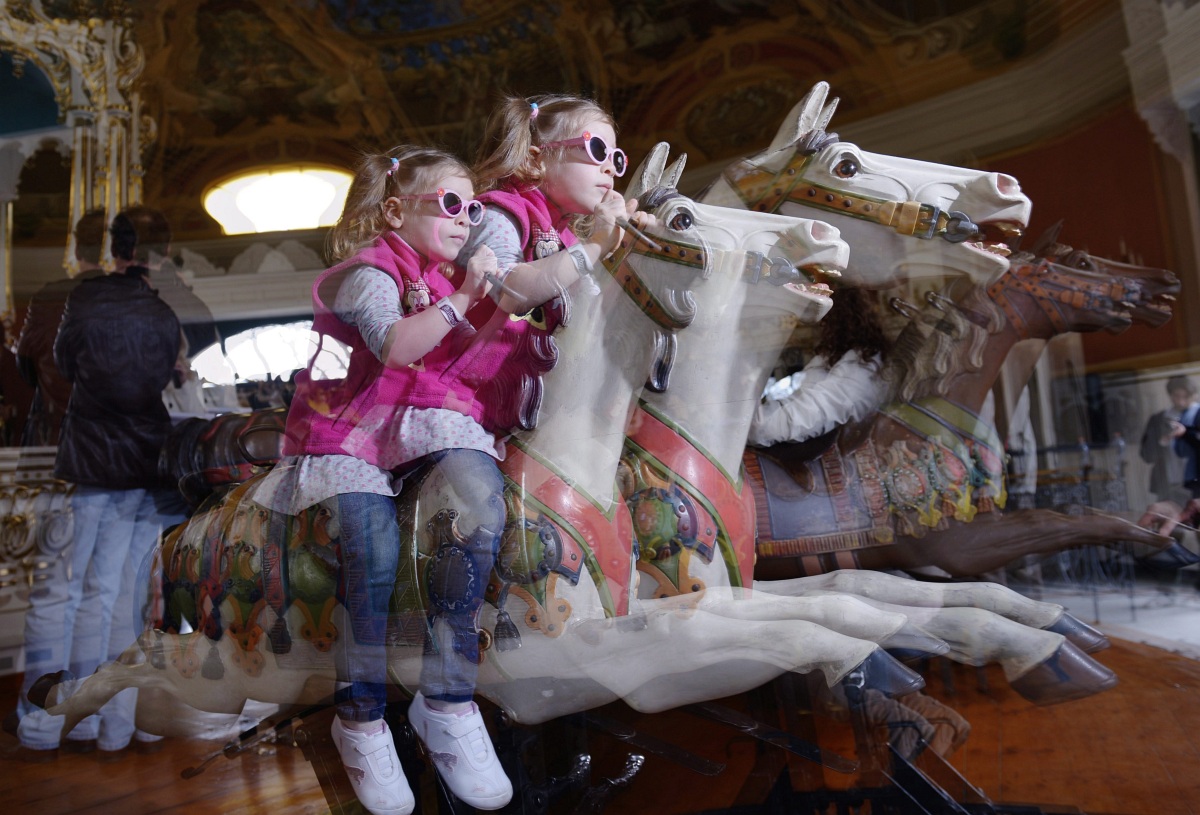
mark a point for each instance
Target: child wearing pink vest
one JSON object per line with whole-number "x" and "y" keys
{"x": 549, "y": 164}
{"x": 409, "y": 394}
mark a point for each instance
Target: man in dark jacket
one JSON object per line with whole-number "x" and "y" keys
{"x": 35, "y": 346}
{"x": 118, "y": 344}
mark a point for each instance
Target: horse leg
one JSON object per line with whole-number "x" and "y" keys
{"x": 679, "y": 657}
{"x": 838, "y": 612}
{"x": 1040, "y": 665}
{"x": 74, "y": 699}
{"x": 993, "y": 541}
{"x": 988, "y": 596}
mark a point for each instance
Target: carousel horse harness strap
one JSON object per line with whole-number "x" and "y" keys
{"x": 765, "y": 191}
{"x": 683, "y": 254}
{"x": 727, "y": 503}
{"x": 1052, "y": 291}
{"x": 590, "y": 537}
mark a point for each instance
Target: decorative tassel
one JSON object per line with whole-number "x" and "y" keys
{"x": 213, "y": 668}
{"x": 280, "y": 637}
{"x": 508, "y": 638}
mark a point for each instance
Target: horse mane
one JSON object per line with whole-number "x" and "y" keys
{"x": 985, "y": 318}
{"x": 514, "y": 395}
{"x": 939, "y": 344}
{"x": 677, "y": 303}
{"x": 918, "y": 358}
{"x": 815, "y": 140}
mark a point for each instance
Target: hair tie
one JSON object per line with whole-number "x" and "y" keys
{"x": 395, "y": 164}
{"x": 533, "y": 111}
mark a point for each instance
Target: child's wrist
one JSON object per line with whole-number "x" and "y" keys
{"x": 584, "y": 263}
{"x": 452, "y": 313}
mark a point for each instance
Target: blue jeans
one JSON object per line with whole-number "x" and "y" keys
{"x": 370, "y": 553}
{"x": 369, "y": 542}
{"x": 91, "y": 616}
{"x": 458, "y": 579}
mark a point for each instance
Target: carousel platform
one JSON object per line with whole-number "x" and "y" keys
{"x": 1133, "y": 750}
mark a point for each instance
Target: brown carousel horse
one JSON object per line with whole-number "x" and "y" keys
{"x": 896, "y": 490}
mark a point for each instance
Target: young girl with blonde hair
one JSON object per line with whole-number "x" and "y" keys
{"x": 396, "y": 302}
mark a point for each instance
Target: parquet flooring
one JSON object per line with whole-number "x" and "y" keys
{"x": 1133, "y": 750}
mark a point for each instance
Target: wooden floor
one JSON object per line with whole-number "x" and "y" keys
{"x": 1134, "y": 750}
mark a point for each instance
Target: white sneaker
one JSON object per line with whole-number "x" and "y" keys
{"x": 462, "y": 751}
{"x": 374, "y": 769}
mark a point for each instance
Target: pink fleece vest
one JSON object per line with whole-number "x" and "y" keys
{"x": 513, "y": 399}
{"x": 532, "y": 211}
{"x": 346, "y": 416}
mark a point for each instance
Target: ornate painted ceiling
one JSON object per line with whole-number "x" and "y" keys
{"x": 239, "y": 83}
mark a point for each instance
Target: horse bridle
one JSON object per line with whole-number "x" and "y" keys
{"x": 776, "y": 271}
{"x": 1049, "y": 287}
{"x": 765, "y": 191}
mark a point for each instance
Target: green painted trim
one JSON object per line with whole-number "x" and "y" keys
{"x": 690, "y": 439}
{"x": 593, "y": 567}
{"x": 609, "y": 514}
{"x": 724, "y": 539}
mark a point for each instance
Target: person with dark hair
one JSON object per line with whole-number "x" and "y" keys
{"x": 1157, "y": 448}
{"x": 1185, "y": 431}
{"x": 841, "y": 383}
{"x": 117, "y": 344}
{"x": 153, "y": 233}
{"x": 35, "y": 345}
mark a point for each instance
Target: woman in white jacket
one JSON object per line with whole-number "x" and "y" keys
{"x": 843, "y": 382}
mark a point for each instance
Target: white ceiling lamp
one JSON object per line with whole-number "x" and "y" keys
{"x": 278, "y": 199}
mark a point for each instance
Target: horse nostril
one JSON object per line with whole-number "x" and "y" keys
{"x": 1007, "y": 185}
{"x": 823, "y": 231}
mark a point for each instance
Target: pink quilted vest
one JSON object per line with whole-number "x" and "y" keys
{"x": 340, "y": 416}
{"x": 532, "y": 211}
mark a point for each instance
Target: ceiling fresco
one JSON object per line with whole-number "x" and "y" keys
{"x": 239, "y": 83}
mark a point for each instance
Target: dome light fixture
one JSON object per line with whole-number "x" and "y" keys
{"x": 277, "y": 199}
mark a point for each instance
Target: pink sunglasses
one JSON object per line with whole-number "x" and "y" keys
{"x": 597, "y": 150}
{"x": 452, "y": 204}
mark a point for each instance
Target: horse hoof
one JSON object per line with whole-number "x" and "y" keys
{"x": 1171, "y": 559}
{"x": 882, "y": 672}
{"x": 1080, "y": 633}
{"x": 1067, "y": 674}
{"x": 910, "y": 643}
{"x": 40, "y": 691}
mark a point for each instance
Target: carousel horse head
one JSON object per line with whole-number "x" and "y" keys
{"x": 1153, "y": 290}
{"x": 1043, "y": 299}
{"x": 904, "y": 218}
{"x": 791, "y": 256}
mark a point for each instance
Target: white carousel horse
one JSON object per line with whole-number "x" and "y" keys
{"x": 696, "y": 529}
{"x": 565, "y": 562}
{"x": 694, "y": 433}
{"x": 903, "y": 219}
{"x": 956, "y": 219}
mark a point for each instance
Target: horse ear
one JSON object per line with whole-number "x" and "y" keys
{"x": 672, "y": 174}
{"x": 1048, "y": 239}
{"x": 826, "y": 116}
{"x": 810, "y": 114}
{"x": 649, "y": 172}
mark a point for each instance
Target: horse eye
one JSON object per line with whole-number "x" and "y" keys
{"x": 1081, "y": 260}
{"x": 681, "y": 220}
{"x": 846, "y": 168}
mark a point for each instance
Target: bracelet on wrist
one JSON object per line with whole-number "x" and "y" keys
{"x": 452, "y": 315}
{"x": 583, "y": 264}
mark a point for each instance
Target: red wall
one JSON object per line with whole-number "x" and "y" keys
{"x": 1103, "y": 182}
